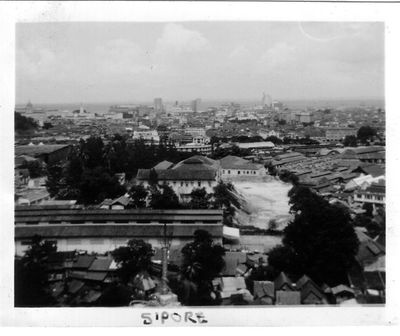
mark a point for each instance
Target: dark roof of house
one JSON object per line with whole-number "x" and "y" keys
{"x": 113, "y": 230}
{"x": 264, "y": 288}
{"x": 281, "y": 280}
{"x": 84, "y": 261}
{"x": 74, "y": 286}
{"x": 36, "y": 150}
{"x": 163, "y": 165}
{"x": 311, "y": 288}
{"x": 235, "y": 162}
{"x": 76, "y": 215}
{"x": 288, "y": 297}
{"x": 368, "y": 249}
{"x": 179, "y": 174}
{"x": 95, "y": 276}
{"x": 100, "y": 264}
{"x": 123, "y": 200}
{"x": 303, "y": 281}
{"x": 373, "y": 170}
{"x": 288, "y": 155}
{"x": 375, "y": 280}
{"x": 232, "y": 261}
{"x": 342, "y": 289}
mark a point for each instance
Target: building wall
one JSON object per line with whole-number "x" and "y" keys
{"x": 370, "y": 198}
{"x": 185, "y": 187}
{"x": 226, "y": 173}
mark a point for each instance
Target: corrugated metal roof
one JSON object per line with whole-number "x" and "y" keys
{"x": 112, "y": 230}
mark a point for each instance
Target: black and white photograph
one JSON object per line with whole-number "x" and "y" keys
{"x": 163, "y": 166}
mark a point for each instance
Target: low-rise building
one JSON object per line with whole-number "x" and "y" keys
{"x": 196, "y": 172}
{"x": 333, "y": 134}
{"x": 232, "y": 167}
{"x": 374, "y": 194}
{"x": 100, "y": 231}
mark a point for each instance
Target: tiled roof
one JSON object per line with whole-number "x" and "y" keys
{"x": 179, "y": 174}
{"x": 282, "y": 280}
{"x": 163, "y": 165}
{"x": 84, "y": 261}
{"x": 235, "y": 162}
{"x": 264, "y": 288}
{"x": 100, "y": 264}
{"x": 288, "y": 298}
{"x": 39, "y": 214}
{"x": 342, "y": 288}
{"x": 35, "y": 150}
{"x": 112, "y": 230}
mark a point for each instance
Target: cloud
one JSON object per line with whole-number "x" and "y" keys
{"x": 121, "y": 57}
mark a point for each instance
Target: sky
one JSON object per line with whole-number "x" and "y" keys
{"x": 136, "y": 62}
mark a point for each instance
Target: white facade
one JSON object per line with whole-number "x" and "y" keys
{"x": 147, "y": 135}
{"x": 369, "y": 197}
{"x": 226, "y": 173}
{"x": 185, "y": 187}
{"x": 204, "y": 149}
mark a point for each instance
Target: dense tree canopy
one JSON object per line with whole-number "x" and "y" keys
{"x": 24, "y": 124}
{"x": 366, "y": 133}
{"x": 234, "y": 150}
{"x": 225, "y": 199}
{"x": 31, "y": 275}
{"x": 138, "y": 194}
{"x": 89, "y": 173}
{"x": 200, "y": 199}
{"x": 320, "y": 241}
{"x": 202, "y": 262}
{"x": 132, "y": 259}
{"x": 350, "y": 141}
{"x": 163, "y": 197}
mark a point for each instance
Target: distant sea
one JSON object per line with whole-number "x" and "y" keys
{"x": 295, "y": 104}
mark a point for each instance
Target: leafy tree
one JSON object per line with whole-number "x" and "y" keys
{"x": 272, "y": 224}
{"x": 31, "y": 275}
{"x": 288, "y": 177}
{"x": 320, "y": 241}
{"x": 132, "y": 259}
{"x": 274, "y": 139}
{"x": 164, "y": 197}
{"x": 138, "y": 194}
{"x": 24, "y": 124}
{"x": 153, "y": 177}
{"x": 368, "y": 207}
{"x": 202, "y": 262}
{"x": 366, "y": 133}
{"x": 350, "y": 141}
{"x": 96, "y": 185}
{"x": 200, "y": 199}
{"x": 225, "y": 199}
{"x": 35, "y": 168}
{"x": 47, "y": 125}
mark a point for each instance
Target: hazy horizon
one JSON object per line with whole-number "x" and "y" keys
{"x": 67, "y": 63}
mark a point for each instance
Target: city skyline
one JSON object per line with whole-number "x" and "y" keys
{"x": 111, "y": 62}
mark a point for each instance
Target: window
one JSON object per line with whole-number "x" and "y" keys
{"x": 181, "y": 184}
{"x": 223, "y": 171}
{"x": 238, "y": 172}
{"x": 199, "y": 183}
{"x": 187, "y": 184}
{"x": 229, "y": 171}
